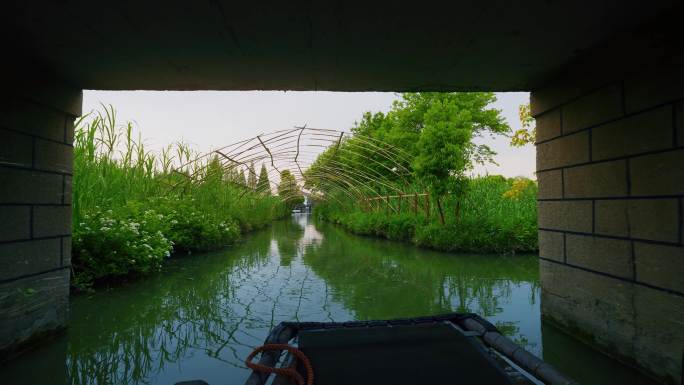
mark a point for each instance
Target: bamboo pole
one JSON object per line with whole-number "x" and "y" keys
{"x": 383, "y": 197}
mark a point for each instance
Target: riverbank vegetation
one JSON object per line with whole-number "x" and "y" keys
{"x": 496, "y": 215}
{"x": 133, "y": 208}
{"x": 412, "y": 182}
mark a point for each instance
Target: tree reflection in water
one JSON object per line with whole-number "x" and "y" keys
{"x": 203, "y": 315}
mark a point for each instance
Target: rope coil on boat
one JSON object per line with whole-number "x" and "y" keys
{"x": 289, "y": 371}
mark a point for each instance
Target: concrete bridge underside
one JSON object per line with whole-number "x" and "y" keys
{"x": 607, "y": 85}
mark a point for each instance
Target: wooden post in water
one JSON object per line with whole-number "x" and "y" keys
{"x": 458, "y": 208}
{"x": 427, "y": 206}
{"x": 415, "y": 203}
{"x": 388, "y": 206}
{"x": 441, "y": 212}
{"x": 399, "y": 207}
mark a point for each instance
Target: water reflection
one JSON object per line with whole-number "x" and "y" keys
{"x": 204, "y": 313}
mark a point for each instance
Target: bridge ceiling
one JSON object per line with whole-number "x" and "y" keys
{"x": 311, "y": 45}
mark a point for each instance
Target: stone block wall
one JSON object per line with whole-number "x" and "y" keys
{"x": 610, "y": 161}
{"x": 36, "y": 156}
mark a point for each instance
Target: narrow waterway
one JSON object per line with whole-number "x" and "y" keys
{"x": 203, "y": 314}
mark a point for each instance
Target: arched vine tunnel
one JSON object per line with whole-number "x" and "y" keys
{"x": 357, "y": 167}
{"x": 607, "y": 91}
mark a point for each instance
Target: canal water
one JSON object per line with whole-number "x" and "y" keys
{"x": 204, "y": 313}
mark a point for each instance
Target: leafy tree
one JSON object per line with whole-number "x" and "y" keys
{"x": 429, "y": 137}
{"x": 288, "y": 190}
{"x": 252, "y": 177}
{"x": 387, "y": 141}
{"x": 528, "y": 132}
{"x": 263, "y": 185}
{"x": 404, "y": 124}
{"x": 444, "y": 149}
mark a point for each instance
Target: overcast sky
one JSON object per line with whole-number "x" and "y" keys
{"x": 212, "y": 119}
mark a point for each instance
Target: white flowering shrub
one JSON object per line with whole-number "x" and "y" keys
{"x": 136, "y": 238}
{"x": 108, "y": 243}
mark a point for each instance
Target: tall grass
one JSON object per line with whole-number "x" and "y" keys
{"x": 495, "y": 215}
{"x": 133, "y": 207}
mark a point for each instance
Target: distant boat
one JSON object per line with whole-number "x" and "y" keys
{"x": 295, "y": 211}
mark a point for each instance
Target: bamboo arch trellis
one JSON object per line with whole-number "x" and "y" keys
{"x": 362, "y": 177}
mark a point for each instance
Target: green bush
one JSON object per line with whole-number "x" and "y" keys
{"x": 193, "y": 230}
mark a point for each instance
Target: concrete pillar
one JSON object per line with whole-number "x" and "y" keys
{"x": 610, "y": 161}
{"x": 36, "y": 156}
